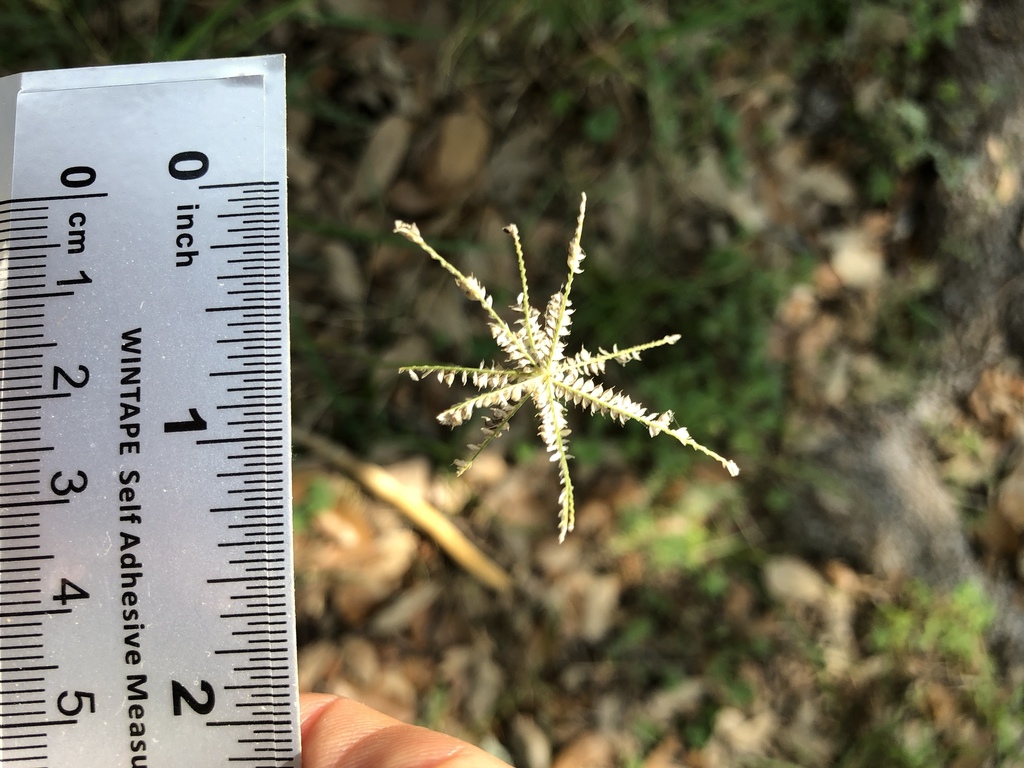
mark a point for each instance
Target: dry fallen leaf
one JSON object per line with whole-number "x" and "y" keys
{"x": 997, "y": 401}
{"x": 668, "y": 754}
{"x": 1009, "y": 496}
{"x": 683, "y": 699}
{"x": 344, "y": 275}
{"x": 791, "y": 581}
{"x": 736, "y": 736}
{"x": 587, "y": 603}
{"x": 381, "y": 160}
{"x": 857, "y": 258}
{"x": 529, "y": 743}
{"x": 459, "y": 154}
{"x": 408, "y": 608}
{"x": 590, "y": 749}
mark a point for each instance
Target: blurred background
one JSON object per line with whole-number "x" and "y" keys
{"x": 757, "y": 172}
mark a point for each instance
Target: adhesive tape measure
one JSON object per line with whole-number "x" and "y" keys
{"x": 145, "y": 509}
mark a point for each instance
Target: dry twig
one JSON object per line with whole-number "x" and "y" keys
{"x": 381, "y": 484}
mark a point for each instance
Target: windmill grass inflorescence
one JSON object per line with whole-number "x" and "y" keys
{"x": 539, "y": 370}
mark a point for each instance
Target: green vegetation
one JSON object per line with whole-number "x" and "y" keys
{"x": 694, "y": 537}
{"x": 44, "y": 34}
{"x": 724, "y": 304}
{"x": 665, "y": 56}
{"x": 949, "y": 628}
{"x": 937, "y": 645}
{"x": 318, "y": 497}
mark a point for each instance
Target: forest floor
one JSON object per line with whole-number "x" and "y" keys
{"x": 755, "y": 178}
{"x": 757, "y": 192}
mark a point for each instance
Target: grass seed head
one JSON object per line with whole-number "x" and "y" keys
{"x": 537, "y": 369}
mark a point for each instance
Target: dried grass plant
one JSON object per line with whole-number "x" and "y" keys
{"x": 537, "y": 368}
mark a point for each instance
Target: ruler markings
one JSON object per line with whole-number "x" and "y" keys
{"x": 26, "y": 317}
{"x": 22, "y": 239}
{"x": 18, "y": 419}
{"x": 38, "y": 724}
{"x": 36, "y": 668}
{"x": 236, "y": 309}
{"x": 26, "y": 296}
{"x": 81, "y": 196}
{"x": 38, "y": 502}
{"x": 12, "y": 278}
{"x": 28, "y": 248}
{"x": 53, "y": 396}
{"x": 51, "y": 295}
{"x": 239, "y": 184}
{"x": 19, "y": 266}
{"x": 28, "y": 257}
{"x": 31, "y": 276}
{"x": 21, "y": 419}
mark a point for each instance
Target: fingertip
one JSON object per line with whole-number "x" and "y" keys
{"x": 311, "y": 707}
{"x": 340, "y": 732}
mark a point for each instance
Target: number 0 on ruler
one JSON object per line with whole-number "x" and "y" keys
{"x": 146, "y": 613}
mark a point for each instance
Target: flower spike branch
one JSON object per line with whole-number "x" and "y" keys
{"x": 539, "y": 370}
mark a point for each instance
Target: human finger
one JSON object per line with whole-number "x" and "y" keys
{"x": 341, "y": 733}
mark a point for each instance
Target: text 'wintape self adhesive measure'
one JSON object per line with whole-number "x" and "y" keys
{"x": 146, "y": 607}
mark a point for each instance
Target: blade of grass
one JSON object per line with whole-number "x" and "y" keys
{"x": 190, "y": 43}
{"x": 169, "y": 15}
{"x": 243, "y": 38}
{"x": 379, "y": 25}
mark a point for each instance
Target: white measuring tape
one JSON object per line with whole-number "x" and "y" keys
{"x": 146, "y": 614}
